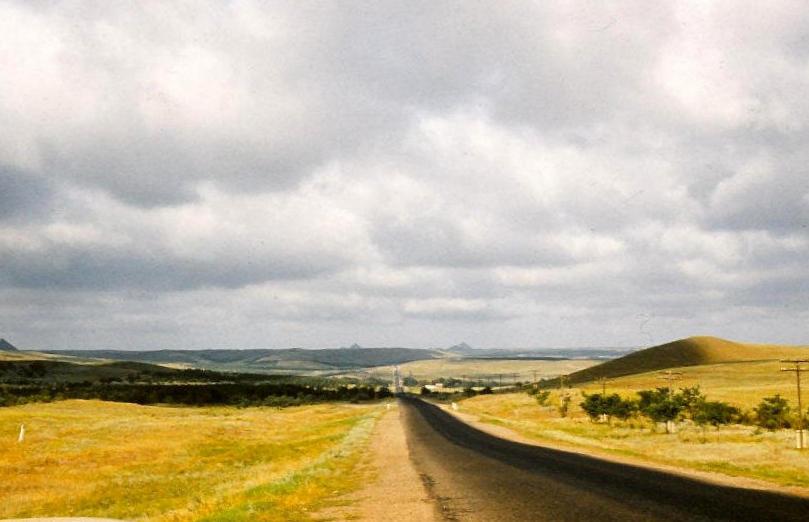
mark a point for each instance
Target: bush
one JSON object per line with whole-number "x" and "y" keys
{"x": 598, "y": 405}
{"x": 410, "y": 381}
{"x": 542, "y": 397}
{"x": 661, "y": 405}
{"x": 772, "y": 413}
{"x": 691, "y": 399}
{"x": 714, "y": 413}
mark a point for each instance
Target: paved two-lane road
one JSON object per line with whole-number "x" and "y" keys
{"x": 475, "y": 476}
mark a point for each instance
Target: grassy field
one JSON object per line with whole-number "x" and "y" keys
{"x": 735, "y": 450}
{"x": 743, "y": 384}
{"x": 92, "y": 458}
{"x": 483, "y": 368}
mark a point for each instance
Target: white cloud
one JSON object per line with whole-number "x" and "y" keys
{"x": 311, "y": 174}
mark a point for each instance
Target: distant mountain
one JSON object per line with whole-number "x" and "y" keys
{"x": 692, "y": 351}
{"x": 267, "y": 361}
{"x": 7, "y": 346}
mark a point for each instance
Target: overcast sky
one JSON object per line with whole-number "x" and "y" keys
{"x": 258, "y": 175}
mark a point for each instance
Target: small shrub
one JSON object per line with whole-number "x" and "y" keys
{"x": 564, "y": 405}
{"x": 542, "y": 397}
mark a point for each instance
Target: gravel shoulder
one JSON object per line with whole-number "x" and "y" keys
{"x": 395, "y": 490}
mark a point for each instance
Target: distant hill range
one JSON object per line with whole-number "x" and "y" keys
{"x": 535, "y": 353}
{"x": 324, "y": 361}
{"x": 7, "y": 346}
{"x": 290, "y": 360}
{"x": 692, "y": 351}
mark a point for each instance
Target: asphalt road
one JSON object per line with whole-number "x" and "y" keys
{"x": 475, "y": 476}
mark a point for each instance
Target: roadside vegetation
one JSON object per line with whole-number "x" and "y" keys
{"x": 683, "y": 427}
{"x": 700, "y": 403}
{"x": 45, "y": 381}
{"x": 104, "y": 459}
{"x": 203, "y": 394}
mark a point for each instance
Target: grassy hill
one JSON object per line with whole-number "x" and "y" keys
{"x": 43, "y": 370}
{"x": 693, "y": 351}
{"x": 266, "y": 361}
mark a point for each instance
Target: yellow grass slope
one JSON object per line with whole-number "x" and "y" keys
{"x": 693, "y": 351}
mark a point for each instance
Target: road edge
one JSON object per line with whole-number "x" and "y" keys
{"x": 711, "y": 477}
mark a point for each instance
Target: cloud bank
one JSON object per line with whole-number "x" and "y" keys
{"x": 402, "y": 173}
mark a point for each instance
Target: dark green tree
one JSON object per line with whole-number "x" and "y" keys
{"x": 772, "y": 413}
{"x": 714, "y": 413}
{"x": 598, "y": 405}
{"x": 661, "y": 405}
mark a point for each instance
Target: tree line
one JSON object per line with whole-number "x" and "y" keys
{"x": 662, "y": 405}
{"x": 203, "y": 394}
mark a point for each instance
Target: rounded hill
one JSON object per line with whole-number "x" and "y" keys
{"x": 693, "y": 351}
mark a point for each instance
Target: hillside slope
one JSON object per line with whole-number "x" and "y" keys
{"x": 263, "y": 360}
{"x": 692, "y": 351}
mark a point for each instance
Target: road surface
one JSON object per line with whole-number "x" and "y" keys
{"x": 474, "y": 476}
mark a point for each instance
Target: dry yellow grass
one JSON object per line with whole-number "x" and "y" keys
{"x": 483, "y": 368}
{"x": 22, "y": 356}
{"x": 743, "y": 384}
{"x": 92, "y": 458}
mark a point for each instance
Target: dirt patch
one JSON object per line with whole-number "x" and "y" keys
{"x": 395, "y": 491}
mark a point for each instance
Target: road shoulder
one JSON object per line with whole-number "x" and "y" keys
{"x": 395, "y": 490}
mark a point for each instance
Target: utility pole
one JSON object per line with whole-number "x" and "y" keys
{"x": 500, "y": 375}
{"x": 669, "y": 376}
{"x": 798, "y": 369}
{"x": 604, "y": 382}
{"x": 535, "y": 376}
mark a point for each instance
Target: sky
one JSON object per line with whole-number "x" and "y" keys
{"x": 251, "y": 174}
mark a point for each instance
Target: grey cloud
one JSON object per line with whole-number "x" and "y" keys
{"x": 23, "y": 195}
{"x": 417, "y": 173}
{"x": 68, "y": 268}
